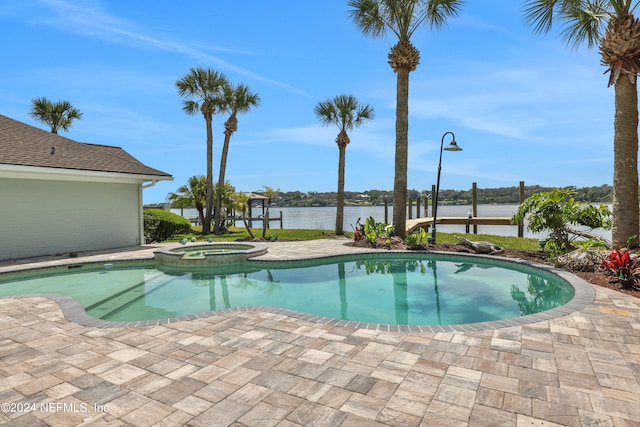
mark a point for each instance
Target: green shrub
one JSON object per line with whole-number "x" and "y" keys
{"x": 417, "y": 239}
{"x": 556, "y": 212}
{"x": 160, "y": 225}
{"x": 377, "y": 230}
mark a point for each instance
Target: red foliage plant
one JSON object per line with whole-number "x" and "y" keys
{"x": 622, "y": 265}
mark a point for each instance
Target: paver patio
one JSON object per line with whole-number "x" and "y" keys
{"x": 257, "y": 368}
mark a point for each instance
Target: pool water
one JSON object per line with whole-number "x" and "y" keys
{"x": 379, "y": 290}
{"x": 211, "y": 249}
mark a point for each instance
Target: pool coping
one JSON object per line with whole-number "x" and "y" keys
{"x": 584, "y": 296}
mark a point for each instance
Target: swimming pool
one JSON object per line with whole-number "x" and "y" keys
{"x": 398, "y": 289}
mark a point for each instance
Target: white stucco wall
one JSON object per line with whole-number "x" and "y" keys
{"x": 44, "y": 217}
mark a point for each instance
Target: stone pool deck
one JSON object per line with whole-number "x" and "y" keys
{"x": 257, "y": 368}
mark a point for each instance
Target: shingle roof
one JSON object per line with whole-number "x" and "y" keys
{"x": 25, "y": 145}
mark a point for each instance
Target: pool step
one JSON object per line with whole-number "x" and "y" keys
{"x": 107, "y": 307}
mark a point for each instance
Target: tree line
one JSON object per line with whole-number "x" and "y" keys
{"x": 485, "y": 196}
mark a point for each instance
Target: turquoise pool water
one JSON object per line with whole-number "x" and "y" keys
{"x": 405, "y": 290}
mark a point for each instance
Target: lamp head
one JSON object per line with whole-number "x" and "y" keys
{"x": 453, "y": 146}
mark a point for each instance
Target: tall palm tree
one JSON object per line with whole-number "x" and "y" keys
{"x": 193, "y": 193}
{"x": 201, "y": 89}
{"x": 58, "y": 115}
{"x": 234, "y": 100}
{"x": 270, "y": 194}
{"x": 345, "y": 112}
{"x": 612, "y": 26}
{"x": 401, "y": 17}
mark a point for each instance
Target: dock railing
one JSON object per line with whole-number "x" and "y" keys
{"x": 472, "y": 220}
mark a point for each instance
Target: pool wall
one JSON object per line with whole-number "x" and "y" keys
{"x": 206, "y": 255}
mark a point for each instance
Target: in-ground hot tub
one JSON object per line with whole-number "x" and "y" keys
{"x": 203, "y": 254}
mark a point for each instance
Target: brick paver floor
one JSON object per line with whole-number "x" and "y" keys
{"x": 259, "y": 368}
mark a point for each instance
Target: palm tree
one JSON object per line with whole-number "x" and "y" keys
{"x": 191, "y": 194}
{"x": 401, "y": 17}
{"x": 58, "y": 115}
{"x": 234, "y": 100}
{"x": 241, "y": 203}
{"x": 610, "y": 25}
{"x": 226, "y": 195}
{"x": 345, "y": 112}
{"x": 202, "y": 89}
{"x": 269, "y": 193}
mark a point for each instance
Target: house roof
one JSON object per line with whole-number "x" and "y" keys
{"x": 25, "y": 145}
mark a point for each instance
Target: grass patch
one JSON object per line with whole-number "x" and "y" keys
{"x": 240, "y": 233}
{"x": 507, "y": 242}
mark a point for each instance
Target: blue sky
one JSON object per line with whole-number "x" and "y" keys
{"x": 522, "y": 106}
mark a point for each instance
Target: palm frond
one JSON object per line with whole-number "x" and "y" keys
{"x": 58, "y": 115}
{"x": 402, "y": 17}
{"x": 237, "y": 99}
{"x": 623, "y": 7}
{"x": 585, "y": 24}
{"x": 436, "y": 12}
{"x": 190, "y": 107}
{"x": 200, "y": 87}
{"x": 364, "y": 113}
{"x": 326, "y": 112}
{"x": 368, "y": 16}
{"x": 539, "y": 14}
{"x": 344, "y": 111}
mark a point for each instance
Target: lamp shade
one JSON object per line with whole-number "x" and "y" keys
{"x": 452, "y": 147}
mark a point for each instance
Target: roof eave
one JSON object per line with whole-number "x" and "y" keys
{"x": 37, "y": 172}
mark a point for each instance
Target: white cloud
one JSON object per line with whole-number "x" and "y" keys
{"x": 89, "y": 19}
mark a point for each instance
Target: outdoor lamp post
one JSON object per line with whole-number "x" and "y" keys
{"x": 453, "y": 146}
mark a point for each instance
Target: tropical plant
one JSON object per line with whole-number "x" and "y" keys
{"x": 612, "y": 26}
{"x": 624, "y": 266}
{"x": 358, "y": 231}
{"x": 193, "y": 193}
{"x": 401, "y": 17}
{"x": 234, "y": 100}
{"x": 345, "y": 112}
{"x": 374, "y": 231}
{"x": 269, "y": 193}
{"x": 58, "y": 115}
{"x": 226, "y": 193}
{"x": 417, "y": 239}
{"x": 201, "y": 89}
{"x": 241, "y": 204}
{"x": 556, "y": 211}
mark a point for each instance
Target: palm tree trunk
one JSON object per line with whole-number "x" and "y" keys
{"x": 625, "y": 164}
{"x": 265, "y": 222}
{"x": 218, "y": 223}
{"x": 402, "y": 149}
{"x": 246, "y": 225}
{"x": 206, "y": 225}
{"x": 340, "y": 204}
{"x": 200, "y": 214}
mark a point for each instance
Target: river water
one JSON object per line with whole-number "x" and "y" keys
{"x": 324, "y": 218}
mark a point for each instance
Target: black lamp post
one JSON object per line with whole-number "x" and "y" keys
{"x": 453, "y": 146}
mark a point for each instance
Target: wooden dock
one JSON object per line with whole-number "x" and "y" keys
{"x": 414, "y": 224}
{"x": 234, "y": 218}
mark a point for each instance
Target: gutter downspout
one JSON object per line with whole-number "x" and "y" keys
{"x": 141, "y": 211}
